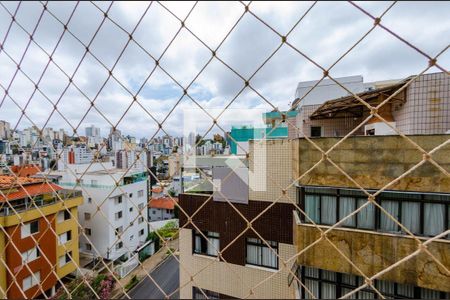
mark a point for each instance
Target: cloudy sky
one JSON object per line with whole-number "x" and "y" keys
{"x": 324, "y": 34}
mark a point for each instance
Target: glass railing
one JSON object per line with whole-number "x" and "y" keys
{"x": 13, "y": 208}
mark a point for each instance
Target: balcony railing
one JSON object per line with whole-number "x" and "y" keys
{"x": 30, "y": 204}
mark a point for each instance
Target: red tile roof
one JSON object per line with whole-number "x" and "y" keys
{"x": 13, "y": 181}
{"x": 31, "y": 187}
{"x": 157, "y": 190}
{"x": 162, "y": 202}
{"x": 26, "y": 171}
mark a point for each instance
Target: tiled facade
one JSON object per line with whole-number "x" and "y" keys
{"x": 427, "y": 109}
{"x": 231, "y": 279}
{"x": 277, "y": 172}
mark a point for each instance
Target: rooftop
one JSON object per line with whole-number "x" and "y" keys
{"x": 163, "y": 202}
{"x": 28, "y": 187}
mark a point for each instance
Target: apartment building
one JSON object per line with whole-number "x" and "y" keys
{"x": 228, "y": 259}
{"x": 423, "y": 107}
{"x": 161, "y": 208}
{"x": 370, "y": 239}
{"x": 38, "y": 236}
{"x": 114, "y": 211}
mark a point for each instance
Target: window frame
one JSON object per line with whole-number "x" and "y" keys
{"x": 195, "y": 233}
{"x": 340, "y": 285}
{"x": 261, "y": 244}
{"x": 402, "y": 197}
{"x": 312, "y": 128}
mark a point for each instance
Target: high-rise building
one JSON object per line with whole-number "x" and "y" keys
{"x": 92, "y": 131}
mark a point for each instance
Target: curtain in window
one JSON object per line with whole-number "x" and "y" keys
{"x": 386, "y": 287}
{"x": 387, "y": 223}
{"x": 433, "y": 219}
{"x": 346, "y": 207}
{"x": 429, "y": 294}
{"x": 212, "y": 246}
{"x": 198, "y": 244}
{"x": 328, "y": 210}
{"x": 253, "y": 254}
{"x": 366, "y": 216}
{"x": 366, "y": 295}
{"x": 345, "y": 291}
{"x": 405, "y": 290}
{"x": 328, "y": 291}
{"x": 312, "y": 207}
{"x": 313, "y": 287}
{"x": 411, "y": 216}
{"x": 269, "y": 258}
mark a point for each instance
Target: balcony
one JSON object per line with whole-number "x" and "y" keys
{"x": 21, "y": 205}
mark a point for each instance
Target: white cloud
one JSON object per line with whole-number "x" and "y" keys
{"x": 327, "y": 32}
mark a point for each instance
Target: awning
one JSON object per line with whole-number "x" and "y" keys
{"x": 351, "y": 106}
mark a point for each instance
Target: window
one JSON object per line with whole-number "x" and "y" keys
{"x": 65, "y": 237}
{"x": 88, "y": 246}
{"x": 89, "y": 200}
{"x": 141, "y": 193}
{"x": 63, "y": 216}
{"x": 119, "y": 230}
{"x": 65, "y": 259}
{"x": 131, "y": 224}
{"x": 141, "y": 206}
{"x": 88, "y": 231}
{"x": 87, "y": 216}
{"x": 131, "y": 209}
{"x": 131, "y": 195}
{"x": 434, "y": 219}
{"x": 30, "y": 255}
{"x": 386, "y": 223}
{"x": 421, "y": 214}
{"x": 131, "y": 237}
{"x": 141, "y": 232}
{"x": 94, "y": 182}
{"x": 366, "y": 216}
{"x": 332, "y": 285}
{"x": 118, "y": 200}
{"x": 316, "y": 131}
{"x": 29, "y": 228}
{"x": 346, "y": 206}
{"x": 119, "y": 245}
{"x": 200, "y": 294}
{"x": 140, "y": 220}
{"x": 154, "y": 211}
{"x": 259, "y": 254}
{"x": 168, "y": 211}
{"x": 208, "y": 246}
{"x": 31, "y": 281}
{"x": 118, "y": 215}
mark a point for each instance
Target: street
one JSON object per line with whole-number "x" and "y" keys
{"x": 167, "y": 275}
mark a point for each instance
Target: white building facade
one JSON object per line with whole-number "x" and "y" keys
{"x": 114, "y": 219}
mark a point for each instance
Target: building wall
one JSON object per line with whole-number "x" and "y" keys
{"x": 373, "y": 252}
{"x": 157, "y": 214}
{"x": 47, "y": 244}
{"x": 103, "y": 224}
{"x": 330, "y": 127}
{"x": 274, "y": 225}
{"x": 72, "y": 245}
{"x": 230, "y": 279}
{"x": 270, "y": 171}
{"x": 427, "y": 109}
{"x": 374, "y": 169}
